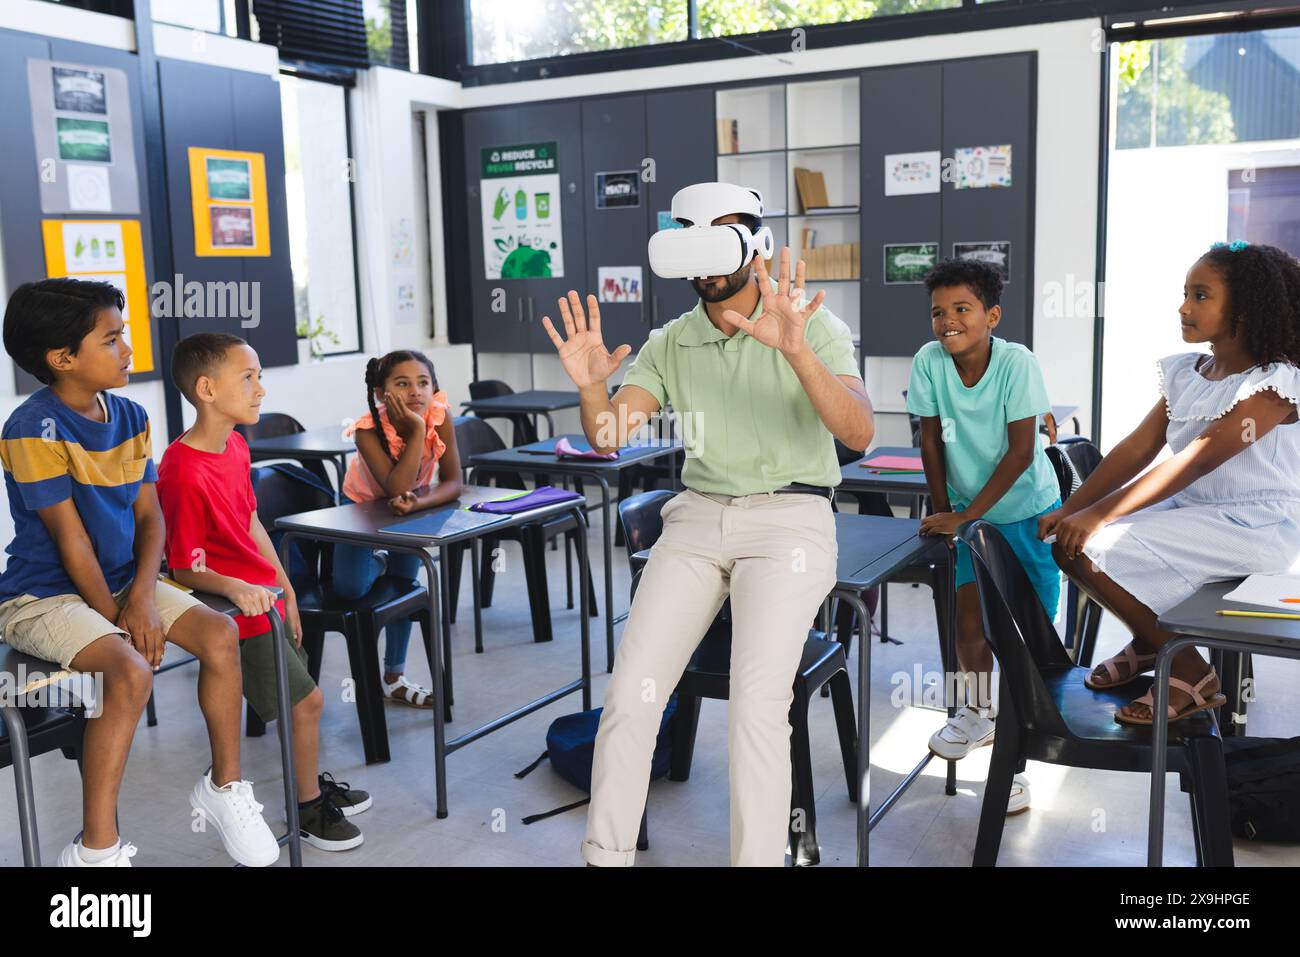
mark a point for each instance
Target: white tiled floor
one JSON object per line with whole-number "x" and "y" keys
{"x": 1078, "y": 817}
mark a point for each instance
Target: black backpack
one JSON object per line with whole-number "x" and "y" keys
{"x": 1264, "y": 788}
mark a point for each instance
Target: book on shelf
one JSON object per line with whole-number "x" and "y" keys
{"x": 834, "y": 261}
{"x": 728, "y": 135}
{"x": 811, "y": 187}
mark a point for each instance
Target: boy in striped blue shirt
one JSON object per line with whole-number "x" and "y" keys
{"x": 81, "y": 584}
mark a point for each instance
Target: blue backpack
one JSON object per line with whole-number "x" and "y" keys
{"x": 571, "y": 746}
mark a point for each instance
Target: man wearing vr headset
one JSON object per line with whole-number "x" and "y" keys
{"x": 762, "y": 381}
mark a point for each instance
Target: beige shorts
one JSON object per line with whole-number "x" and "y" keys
{"x": 58, "y": 627}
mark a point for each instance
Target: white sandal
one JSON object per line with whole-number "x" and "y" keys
{"x": 406, "y": 692}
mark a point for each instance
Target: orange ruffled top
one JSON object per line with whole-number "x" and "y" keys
{"x": 360, "y": 484}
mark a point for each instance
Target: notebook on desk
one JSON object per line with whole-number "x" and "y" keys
{"x": 443, "y": 523}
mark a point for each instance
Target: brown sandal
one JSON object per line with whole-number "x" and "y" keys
{"x": 1136, "y": 664}
{"x": 1198, "y": 702}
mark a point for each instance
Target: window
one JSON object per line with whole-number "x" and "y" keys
{"x": 210, "y": 16}
{"x": 317, "y": 164}
{"x": 719, "y": 18}
{"x": 389, "y": 36}
{"x": 507, "y": 30}
{"x": 1209, "y": 89}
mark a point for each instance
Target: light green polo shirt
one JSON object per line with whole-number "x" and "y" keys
{"x": 745, "y": 419}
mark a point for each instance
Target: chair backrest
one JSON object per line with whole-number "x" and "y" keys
{"x": 524, "y": 432}
{"x": 641, "y": 519}
{"x": 279, "y": 493}
{"x": 475, "y": 437}
{"x": 1073, "y": 459}
{"x": 845, "y": 454}
{"x": 1017, "y": 628}
{"x": 915, "y": 422}
{"x": 271, "y": 425}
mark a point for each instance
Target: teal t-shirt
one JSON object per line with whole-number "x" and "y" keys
{"x": 974, "y": 422}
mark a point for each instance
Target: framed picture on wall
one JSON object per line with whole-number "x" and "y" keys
{"x": 996, "y": 254}
{"x": 907, "y": 263}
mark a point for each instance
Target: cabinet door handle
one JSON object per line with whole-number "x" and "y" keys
{"x": 654, "y": 311}
{"x": 519, "y": 310}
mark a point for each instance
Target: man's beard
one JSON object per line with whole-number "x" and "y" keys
{"x": 734, "y": 284}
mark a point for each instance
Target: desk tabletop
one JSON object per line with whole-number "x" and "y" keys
{"x": 540, "y": 457}
{"x": 531, "y": 400}
{"x": 1196, "y": 616}
{"x": 326, "y": 442}
{"x": 365, "y": 524}
{"x": 855, "y": 477}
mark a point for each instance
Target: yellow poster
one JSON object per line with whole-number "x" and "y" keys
{"x": 228, "y": 192}
{"x": 106, "y": 250}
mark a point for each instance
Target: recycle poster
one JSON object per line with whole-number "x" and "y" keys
{"x": 522, "y": 226}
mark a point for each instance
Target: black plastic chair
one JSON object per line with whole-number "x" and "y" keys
{"x": 523, "y": 429}
{"x": 1073, "y": 459}
{"x": 360, "y": 621}
{"x": 708, "y": 675}
{"x": 30, "y": 731}
{"x": 1048, "y": 714}
{"x": 474, "y": 437}
{"x": 272, "y": 425}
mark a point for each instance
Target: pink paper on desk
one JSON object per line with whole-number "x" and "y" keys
{"x": 564, "y": 449}
{"x": 893, "y": 462}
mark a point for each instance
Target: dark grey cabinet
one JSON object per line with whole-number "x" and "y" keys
{"x": 945, "y": 106}
{"x": 508, "y": 312}
{"x": 682, "y": 137}
{"x": 614, "y": 150}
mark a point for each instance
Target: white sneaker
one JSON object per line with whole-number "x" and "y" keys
{"x": 70, "y": 856}
{"x": 238, "y": 819}
{"x": 965, "y": 731}
{"x": 1019, "y": 800}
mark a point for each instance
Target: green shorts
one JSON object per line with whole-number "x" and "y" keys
{"x": 257, "y": 661}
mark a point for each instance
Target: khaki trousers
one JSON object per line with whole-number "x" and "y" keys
{"x": 775, "y": 555}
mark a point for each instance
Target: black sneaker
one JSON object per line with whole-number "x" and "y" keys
{"x": 348, "y": 800}
{"x": 323, "y": 825}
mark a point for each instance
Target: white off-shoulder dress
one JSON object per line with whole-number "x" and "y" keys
{"x": 1241, "y": 519}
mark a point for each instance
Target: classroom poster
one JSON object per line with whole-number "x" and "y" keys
{"x": 228, "y": 198}
{"x": 619, "y": 284}
{"x": 84, "y": 138}
{"x": 995, "y": 254}
{"x": 907, "y": 174}
{"x": 908, "y": 262}
{"x": 981, "y": 167}
{"x": 105, "y": 250}
{"x": 617, "y": 190}
{"x": 522, "y": 224}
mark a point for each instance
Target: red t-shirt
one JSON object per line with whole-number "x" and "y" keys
{"x": 208, "y": 503}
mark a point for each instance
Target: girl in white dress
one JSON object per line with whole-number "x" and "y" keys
{"x": 1226, "y": 504}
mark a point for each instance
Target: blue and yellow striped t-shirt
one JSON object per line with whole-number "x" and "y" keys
{"x": 51, "y": 453}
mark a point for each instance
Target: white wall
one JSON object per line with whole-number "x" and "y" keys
{"x": 1065, "y": 213}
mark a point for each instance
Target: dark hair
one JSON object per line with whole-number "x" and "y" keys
{"x": 200, "y": 355}
{"x": 984, "y": 279}
{"x": 1263, "y": 296}
{"x": 53, "y": 314}
{"x": 377, "y": 373}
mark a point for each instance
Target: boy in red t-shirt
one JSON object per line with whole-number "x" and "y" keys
{"x": 216, "y": 544}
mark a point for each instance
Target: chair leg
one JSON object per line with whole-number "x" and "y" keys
{"x": 1209, "y": 789}
{"x": 455, "y": 559}
{"x": 685, "y": 723}
{"x": 643, "y": 837}
{"x": 568, "y": 569}
{"x": 151, "y": 714}
{"x": 254, "y": 726}
{"x": 363, "y": 657}
{"x": 997, "y": 789}
{"x": 803, "y": 840}
{"x": 534, "y": 547}
{"x": 1088, "y": 640}
{"x": 488, "y": 573}
{"x": 314, "y": 642}
{"x": 847, "y": 726}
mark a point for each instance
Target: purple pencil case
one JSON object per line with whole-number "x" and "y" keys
{"x": 544, "y": 495}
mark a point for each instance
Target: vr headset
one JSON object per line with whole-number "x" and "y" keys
{"x": 700, "y": 249}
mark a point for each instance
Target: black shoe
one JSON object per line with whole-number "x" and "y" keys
{"x": 348, "y": 800}
{"x": 322, "y": 824}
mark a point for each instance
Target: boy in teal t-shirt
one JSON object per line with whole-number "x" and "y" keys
{"x": 979, "y": 398}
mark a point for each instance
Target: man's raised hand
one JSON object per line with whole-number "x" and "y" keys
{"x": 582, "y": 351}
{"x": 784, "y": 315}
